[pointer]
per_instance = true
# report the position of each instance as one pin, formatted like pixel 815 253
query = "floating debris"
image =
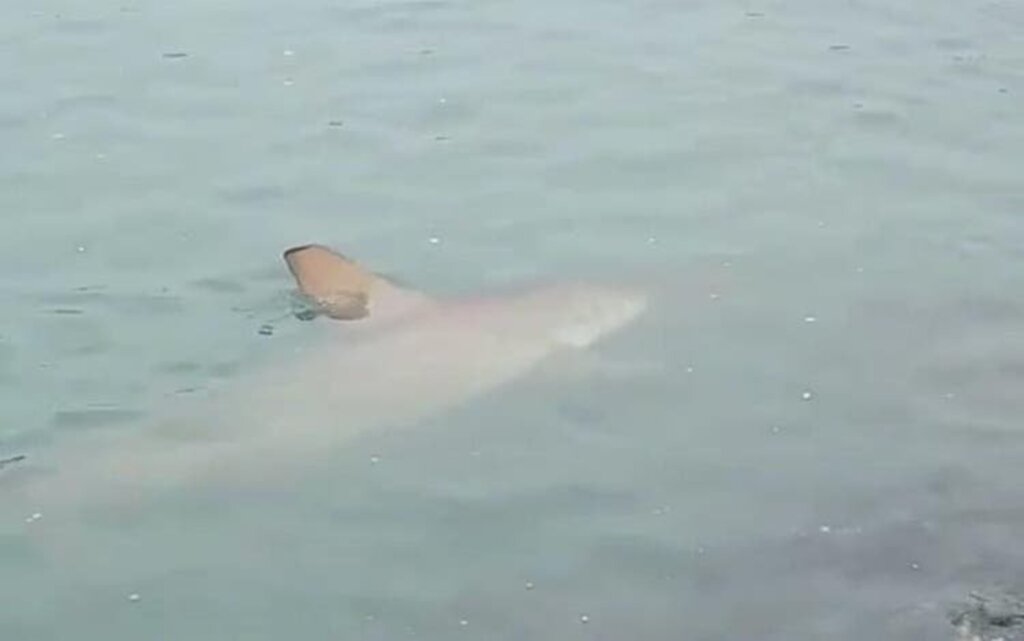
pixel 266 329
pixel 335 123
pixel 839 47
pixel 807 395
pixel 134 597
pixel 4 462
pixel 175 55
pixel 989 617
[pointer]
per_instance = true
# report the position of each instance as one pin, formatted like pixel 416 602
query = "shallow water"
pixel 814 434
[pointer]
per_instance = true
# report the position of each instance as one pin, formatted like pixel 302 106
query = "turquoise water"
pixel 815 433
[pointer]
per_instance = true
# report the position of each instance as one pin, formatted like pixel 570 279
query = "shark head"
pixel 565 315
pixel 578 314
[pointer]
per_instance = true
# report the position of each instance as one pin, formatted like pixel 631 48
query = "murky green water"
pixel 814 434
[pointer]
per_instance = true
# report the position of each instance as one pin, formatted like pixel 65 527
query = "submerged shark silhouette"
pixel 395 356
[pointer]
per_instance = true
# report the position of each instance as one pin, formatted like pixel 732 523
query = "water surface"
pixel 815 433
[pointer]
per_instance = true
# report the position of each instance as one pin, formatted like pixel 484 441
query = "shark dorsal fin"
pixel 341 288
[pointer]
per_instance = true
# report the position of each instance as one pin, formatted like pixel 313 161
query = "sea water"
pixel 815 432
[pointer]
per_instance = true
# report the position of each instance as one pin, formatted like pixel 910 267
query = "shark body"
pixel 390 357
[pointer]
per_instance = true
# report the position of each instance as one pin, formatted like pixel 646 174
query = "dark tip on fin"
pixel 292 250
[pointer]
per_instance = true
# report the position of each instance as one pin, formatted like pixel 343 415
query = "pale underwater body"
pixel 391 370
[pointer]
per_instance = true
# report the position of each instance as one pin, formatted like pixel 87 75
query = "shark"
pixel 387 356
